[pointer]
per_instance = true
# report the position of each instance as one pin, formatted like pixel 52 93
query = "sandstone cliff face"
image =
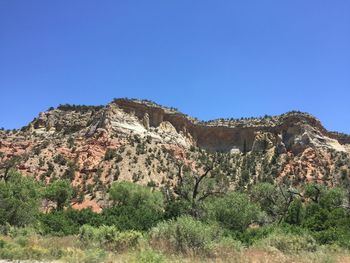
pixel 141 141
pixel 290 132
pixel 293 131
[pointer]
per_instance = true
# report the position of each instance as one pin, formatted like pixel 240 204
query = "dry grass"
pixel 70 249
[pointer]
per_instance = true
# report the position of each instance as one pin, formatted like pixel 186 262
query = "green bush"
pixel 224 246
pixel 127 239
pixel 129 218
pixel 333 236
pixel 2 243
pixel 288 243
pixel 84 217
pixel 101 235
pixel 252 235
pixel 14 232
pixel 88 234
pixel 57 223
pixel 176 208
pixel 15 251
pixel 109 237
pixel 185 234
pixel 67 222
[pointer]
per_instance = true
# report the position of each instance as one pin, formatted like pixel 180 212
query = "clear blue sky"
pixel 210 59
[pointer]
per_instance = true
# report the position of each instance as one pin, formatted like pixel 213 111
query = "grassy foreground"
pixel 133 246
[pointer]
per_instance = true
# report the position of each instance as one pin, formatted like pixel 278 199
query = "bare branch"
pixel 198 180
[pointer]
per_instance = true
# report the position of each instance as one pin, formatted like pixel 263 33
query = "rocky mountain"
pixel 143 142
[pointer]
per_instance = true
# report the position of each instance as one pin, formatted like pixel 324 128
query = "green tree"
pixel 270 199
pixel 275 200
pixel 314 192
pixel 68 222
pixel 333 198
pixel 19 200
pixel 8 167
pixel 194 188
pixel 326 215
pixel 295 212
pixel 134 206
pixel 110 154
pixel 325 204
pixel 234 211
pixel 60 192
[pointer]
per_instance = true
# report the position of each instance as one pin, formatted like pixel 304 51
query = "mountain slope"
pixel 143 142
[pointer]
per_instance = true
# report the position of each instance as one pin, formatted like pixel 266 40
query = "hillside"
pixel 143 142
